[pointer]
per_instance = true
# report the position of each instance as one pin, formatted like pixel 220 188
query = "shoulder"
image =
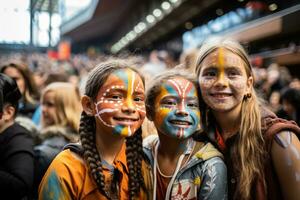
pixel 17 139
pixel 212 159
pixel 207 151
pixel 68 159
pixel 148 145
pixel 272 125
pixel 66 175
pixel 150 141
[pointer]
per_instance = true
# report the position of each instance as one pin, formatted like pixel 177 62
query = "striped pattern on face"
pixel 177 96
pixel 123 88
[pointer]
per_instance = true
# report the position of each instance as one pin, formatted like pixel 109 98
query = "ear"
pixel 8 113
pixel 88 105
pixel 249 84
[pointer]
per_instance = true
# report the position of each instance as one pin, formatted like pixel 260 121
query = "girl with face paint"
pixel 183 168
pixel 262 152
pixel 108 164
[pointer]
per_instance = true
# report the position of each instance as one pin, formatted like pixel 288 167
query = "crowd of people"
pixel 211 125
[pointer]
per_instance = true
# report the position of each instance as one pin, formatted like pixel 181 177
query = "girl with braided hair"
pixel 109 163
pixel 185 166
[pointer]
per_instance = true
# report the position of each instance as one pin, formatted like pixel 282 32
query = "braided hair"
pixel 87 129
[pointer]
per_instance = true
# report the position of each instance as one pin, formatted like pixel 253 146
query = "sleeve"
pixel 285 153
pixel 214 180
pixel 60 182
pixel 16 175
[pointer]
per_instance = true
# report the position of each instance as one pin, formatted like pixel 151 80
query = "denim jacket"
pixel 203 177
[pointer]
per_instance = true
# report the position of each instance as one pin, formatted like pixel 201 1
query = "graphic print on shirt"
pixel 184 190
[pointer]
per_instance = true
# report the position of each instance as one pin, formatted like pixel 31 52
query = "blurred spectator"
pixel 51 78
pixel 278 77
pixel 274 101
pixel 23 77
pixel 156 63
pixel 295 84
pixel 189 59
pixel 61 110
pixel 290 99
pixel 16 146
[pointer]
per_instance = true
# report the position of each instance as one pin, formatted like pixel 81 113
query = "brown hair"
pixel 31 93
pixel 248 151
pixel 134 149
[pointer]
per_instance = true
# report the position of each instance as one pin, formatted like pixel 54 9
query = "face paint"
pixel 121 106
pixel 177 111
pixel 223 80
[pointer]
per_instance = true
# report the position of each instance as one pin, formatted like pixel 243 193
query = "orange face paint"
pixel 221 64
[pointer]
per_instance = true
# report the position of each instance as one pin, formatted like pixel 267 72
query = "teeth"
pixel 221 95
pixel 180 122
pixel 125 119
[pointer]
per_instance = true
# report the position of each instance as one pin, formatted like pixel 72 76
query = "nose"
pixel 128 106
pixel 182 110
pixel 221 81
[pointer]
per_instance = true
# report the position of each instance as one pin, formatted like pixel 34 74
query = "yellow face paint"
pixel 221 64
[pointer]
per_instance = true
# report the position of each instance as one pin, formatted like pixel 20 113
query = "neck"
pixel 109 145
pixel 171 148
pixel 229 121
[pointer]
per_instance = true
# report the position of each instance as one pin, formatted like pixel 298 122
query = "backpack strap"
pixel 75 147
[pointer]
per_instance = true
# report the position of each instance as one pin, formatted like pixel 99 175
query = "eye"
pixel 233 73
pixel 138 99
pixel 210 73
pixel 115 96
pixel 48 104
pixel 170 103
pixel 193 105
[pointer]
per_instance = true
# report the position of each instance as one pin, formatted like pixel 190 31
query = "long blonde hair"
pixel 67 104
pixel 249 146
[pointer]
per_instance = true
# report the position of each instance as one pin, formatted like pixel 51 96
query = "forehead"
pixel 11 71
pixel 178 86
pixel 123 77
pixel 223 57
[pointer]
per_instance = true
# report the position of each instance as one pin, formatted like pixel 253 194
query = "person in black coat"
pixel 16 146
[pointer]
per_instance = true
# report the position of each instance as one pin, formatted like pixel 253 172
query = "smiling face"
pixel 223 80
pixel 120 106
pixel 177 111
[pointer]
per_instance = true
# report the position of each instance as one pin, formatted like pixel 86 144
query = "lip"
pixel 180 123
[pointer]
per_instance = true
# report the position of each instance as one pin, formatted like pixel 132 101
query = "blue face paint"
pixel 177 112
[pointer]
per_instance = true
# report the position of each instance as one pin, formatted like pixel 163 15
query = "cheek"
pixel 160 115
pixel 109 105
pixel 142 114
pixel 239 86
pixel 206 84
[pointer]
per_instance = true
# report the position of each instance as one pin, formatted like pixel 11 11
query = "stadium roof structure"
pixel 132 24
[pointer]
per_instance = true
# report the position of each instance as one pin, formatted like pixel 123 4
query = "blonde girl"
pixel 262 152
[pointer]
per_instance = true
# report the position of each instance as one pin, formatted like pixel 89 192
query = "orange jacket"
pixel 68 177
